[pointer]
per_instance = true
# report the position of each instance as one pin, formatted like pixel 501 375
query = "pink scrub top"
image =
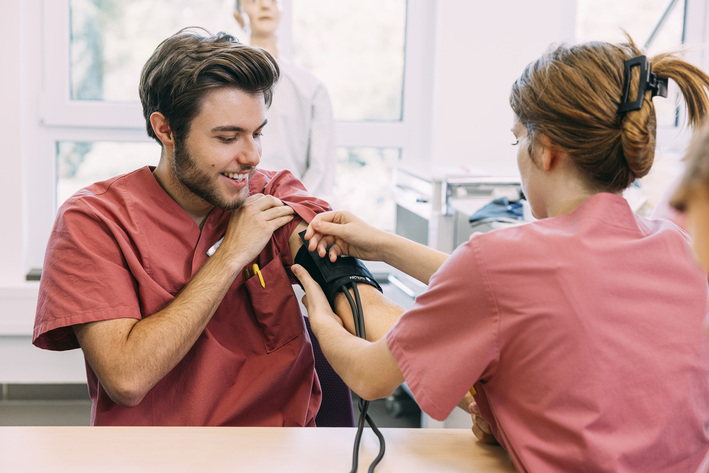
pixel 123 248
pixel 582 335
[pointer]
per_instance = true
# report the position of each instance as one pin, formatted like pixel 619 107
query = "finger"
pixel 302 275
pixel 253 198
pixel 312 240
pixel 334 252
pixel 484 426
pixel 309 284
pixel 319 243
pixel 326 227
pixel 263 202
pixel 479 434
pixel 315 223
pixel 277 223
pixel 323 245
pixel 473 408
pixel 277 212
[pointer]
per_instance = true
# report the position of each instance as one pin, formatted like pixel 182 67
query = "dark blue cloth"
pixel 500 208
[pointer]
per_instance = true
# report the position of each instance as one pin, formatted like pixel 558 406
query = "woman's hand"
pixel 315 302
pixel 481 428
pixel 344 234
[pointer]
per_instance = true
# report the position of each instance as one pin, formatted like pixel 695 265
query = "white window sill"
pixel 18 303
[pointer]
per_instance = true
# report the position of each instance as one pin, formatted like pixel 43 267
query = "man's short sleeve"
pixel 85 278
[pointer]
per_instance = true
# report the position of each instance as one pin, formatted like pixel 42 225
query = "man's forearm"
pixel 131 356
pixel 379 312
pixel 368 368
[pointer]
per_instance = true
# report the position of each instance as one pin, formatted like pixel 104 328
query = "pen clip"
pixel 257 271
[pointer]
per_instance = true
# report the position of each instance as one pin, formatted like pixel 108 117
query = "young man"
pixel 177 329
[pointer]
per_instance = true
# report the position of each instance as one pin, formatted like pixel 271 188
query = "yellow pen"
pixel 473 391
pixel 257 271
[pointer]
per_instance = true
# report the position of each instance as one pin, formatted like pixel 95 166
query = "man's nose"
pixel 250 155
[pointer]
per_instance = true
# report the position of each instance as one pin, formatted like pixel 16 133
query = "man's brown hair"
pixel 191 63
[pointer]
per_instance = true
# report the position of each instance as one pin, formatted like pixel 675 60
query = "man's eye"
pixel 226 139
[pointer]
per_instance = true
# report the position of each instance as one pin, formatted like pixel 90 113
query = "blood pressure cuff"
pixel 333 277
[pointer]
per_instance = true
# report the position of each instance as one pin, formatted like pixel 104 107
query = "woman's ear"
pixel 549 156
pixel 238 16
pixel 162 129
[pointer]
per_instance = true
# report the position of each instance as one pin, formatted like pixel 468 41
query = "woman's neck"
pixel 268 42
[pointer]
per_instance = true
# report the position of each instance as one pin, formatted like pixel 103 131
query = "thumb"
pixel 303 276
pixel 310 286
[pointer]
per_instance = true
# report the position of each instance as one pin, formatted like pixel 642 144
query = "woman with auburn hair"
pixel 580 332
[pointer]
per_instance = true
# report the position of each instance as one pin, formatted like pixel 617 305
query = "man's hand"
pixel 251 226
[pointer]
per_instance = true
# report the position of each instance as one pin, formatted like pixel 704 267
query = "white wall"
pixel 481 48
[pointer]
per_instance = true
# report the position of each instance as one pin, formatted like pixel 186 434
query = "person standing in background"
pixel 301 126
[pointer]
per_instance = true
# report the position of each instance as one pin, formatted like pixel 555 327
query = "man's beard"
pixel 200 182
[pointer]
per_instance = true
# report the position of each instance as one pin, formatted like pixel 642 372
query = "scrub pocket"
pixel 275 306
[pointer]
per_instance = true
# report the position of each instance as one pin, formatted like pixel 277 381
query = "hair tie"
pixel 648 81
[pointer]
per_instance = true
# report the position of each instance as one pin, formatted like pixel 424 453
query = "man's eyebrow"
pixel 239 129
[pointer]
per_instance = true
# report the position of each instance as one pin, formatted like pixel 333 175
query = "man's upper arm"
pixel 294 240
pixel 380 312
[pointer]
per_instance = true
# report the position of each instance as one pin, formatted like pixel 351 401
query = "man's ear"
pixel 162 129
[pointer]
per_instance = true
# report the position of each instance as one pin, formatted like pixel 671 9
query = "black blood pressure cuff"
pixel 333 277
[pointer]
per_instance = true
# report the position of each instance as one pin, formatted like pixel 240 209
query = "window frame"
pixel 51 115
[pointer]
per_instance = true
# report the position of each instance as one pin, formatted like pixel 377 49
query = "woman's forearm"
pixel 416 260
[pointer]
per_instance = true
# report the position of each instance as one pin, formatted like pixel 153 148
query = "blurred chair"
pixel 336 408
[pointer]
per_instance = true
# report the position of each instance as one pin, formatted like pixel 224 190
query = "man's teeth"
pixel 235 176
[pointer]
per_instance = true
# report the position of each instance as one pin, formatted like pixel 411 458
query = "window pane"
pixel 606 20
pixel 365 176
pixel 356 47
pixel 112 39
pixel 365 184
pixel 82 163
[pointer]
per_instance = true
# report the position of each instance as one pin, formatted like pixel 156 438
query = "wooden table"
pixel 240 449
